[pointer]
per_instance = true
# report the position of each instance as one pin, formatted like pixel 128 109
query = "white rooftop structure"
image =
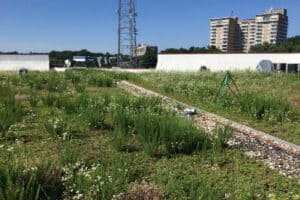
pixel 30 62
pixel 227 62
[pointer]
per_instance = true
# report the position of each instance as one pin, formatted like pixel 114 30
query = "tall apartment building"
pixel 224 33
pixel 269 27
pixel 272 26
pixel 247 34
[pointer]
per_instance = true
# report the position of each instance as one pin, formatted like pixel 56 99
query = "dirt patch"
pixel 20 97
pixel 141 192
pixel 93 89
pixel 295 102
pixel 294 90
pixel 225 166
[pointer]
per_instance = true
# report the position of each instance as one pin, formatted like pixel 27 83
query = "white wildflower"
pixel 110 179
pixel 33 168
pixel 10 149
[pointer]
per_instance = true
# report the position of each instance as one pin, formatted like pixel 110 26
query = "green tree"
pixel 265 47
pixel 57 58
pixel 290 45
pixel 149 60
pixel 192 49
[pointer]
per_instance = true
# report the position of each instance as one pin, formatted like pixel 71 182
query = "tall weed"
pixel 37 182
pixel 95 113
pixel 11 111
pixel 170 133
pixel 123 134
pixel 49 99
pixel 261 107
pixel 101 80
pixel 220 138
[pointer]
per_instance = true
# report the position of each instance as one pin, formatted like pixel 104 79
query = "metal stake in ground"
pixel 225 84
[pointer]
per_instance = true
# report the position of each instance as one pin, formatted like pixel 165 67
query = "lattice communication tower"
pixel 127 33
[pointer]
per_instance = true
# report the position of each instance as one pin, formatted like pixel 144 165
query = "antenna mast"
pixel 127 33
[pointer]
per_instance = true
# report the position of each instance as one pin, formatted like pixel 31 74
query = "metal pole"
pixel 134 31
pixel 119 34
pixel 127 33
pixel 130 8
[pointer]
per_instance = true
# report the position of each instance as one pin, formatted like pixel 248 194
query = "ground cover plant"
pixel 98 142
pixel 266 101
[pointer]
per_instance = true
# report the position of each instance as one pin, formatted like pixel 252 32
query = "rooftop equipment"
pixel 264 66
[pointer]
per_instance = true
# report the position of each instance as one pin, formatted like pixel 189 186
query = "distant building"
pixel 224 33
pixel 272 26
pixel 143 48
pixel 247 34
pixel 231 35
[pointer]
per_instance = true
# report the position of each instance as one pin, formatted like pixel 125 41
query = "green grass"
pixel 100 143
pixel 267 101
pixel 11 111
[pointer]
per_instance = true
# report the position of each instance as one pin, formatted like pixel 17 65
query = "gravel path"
pixel 274 152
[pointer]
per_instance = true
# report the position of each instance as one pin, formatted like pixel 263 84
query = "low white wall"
pixel 30 62
pixel 220 62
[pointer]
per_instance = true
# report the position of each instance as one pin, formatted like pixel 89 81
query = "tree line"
pixel 108 60
pixel 57 58
pixel 208 49
pixel 289 46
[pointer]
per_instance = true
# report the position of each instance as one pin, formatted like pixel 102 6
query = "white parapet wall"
pixel 30 62
pixel 222 62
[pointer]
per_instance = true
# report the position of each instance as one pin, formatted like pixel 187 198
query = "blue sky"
pixel 44 25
